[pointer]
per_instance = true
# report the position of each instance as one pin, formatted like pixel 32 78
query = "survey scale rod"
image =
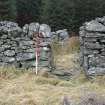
pixel 37 48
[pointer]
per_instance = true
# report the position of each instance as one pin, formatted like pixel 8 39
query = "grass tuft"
pixel 42 81
pixel 70 46
pixel 10 72
pixel 66 84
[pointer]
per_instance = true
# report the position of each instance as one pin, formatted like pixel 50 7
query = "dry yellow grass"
pixel 33 90
pixel 64 55
pixel 28 89
pixel 70 46
pixel 66 61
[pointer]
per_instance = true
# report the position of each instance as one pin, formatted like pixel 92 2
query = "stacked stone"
pixel 44 49
pixel 92 38
pixel 18 46
pixel 9 32
pixel 60 35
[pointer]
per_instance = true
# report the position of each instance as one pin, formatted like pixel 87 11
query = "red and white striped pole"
pixel 37 33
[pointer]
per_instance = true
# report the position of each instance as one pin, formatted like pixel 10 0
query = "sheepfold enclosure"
pixel 18 45
pixel 92 39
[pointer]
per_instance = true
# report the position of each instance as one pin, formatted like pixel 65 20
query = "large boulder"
pixel 45 30
pixel 25 56
pixel 62 34
pixel 95 26
pixel 31 29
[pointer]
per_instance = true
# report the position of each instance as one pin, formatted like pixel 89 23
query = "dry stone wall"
pixel 17 45
pixel 60 35
pixel 92 38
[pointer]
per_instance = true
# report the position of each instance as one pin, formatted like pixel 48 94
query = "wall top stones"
pixel 97 25
pixel 7 26
pixel 60 35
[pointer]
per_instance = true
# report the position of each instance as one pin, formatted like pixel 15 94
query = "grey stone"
pixel 103 40
pixel 25 56
pixel 29 64
pixel 25 28
pixel 93 45
pixel 5 46
pixel 44 44
pixel 90 39
pixel 33 27
pixel 8 59
pixel 93 35
pixel 3 64
pixel 82 33
pixel 30 50
pixel 24 47
pixel 62 34
pixel 62 74
pixel 8 27
pixel 4 36
pixel 96 71
pixel 101 20
pixel 58 72
pixel 45 30
pixel 26 43
pixel 46 48
pixel 9 53
pixel 95 26
pixel 1 43
pixel 2 49
pixel 89 52
pixel 85 65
